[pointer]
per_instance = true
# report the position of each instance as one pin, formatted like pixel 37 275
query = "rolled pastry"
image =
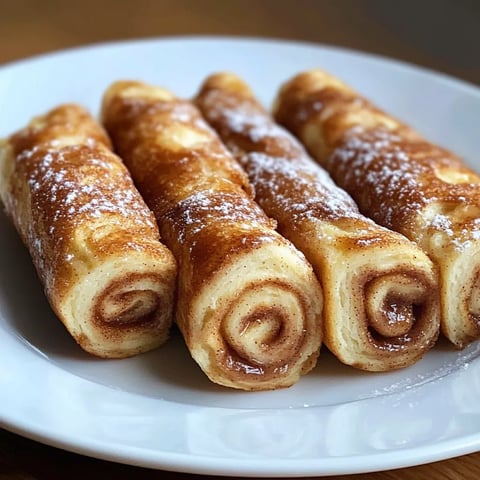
pixel 380 289
pixel 93 240
pixel 400 180
pixel 249 305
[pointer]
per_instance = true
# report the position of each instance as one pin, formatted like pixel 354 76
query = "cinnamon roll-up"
pixel 380 289
pixel 92 238
pixel 249 305
pixel 400 180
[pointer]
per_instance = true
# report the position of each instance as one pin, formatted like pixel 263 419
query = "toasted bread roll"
pixel 380 290
pixel 249 305
pixel 93 240
pixel 400 180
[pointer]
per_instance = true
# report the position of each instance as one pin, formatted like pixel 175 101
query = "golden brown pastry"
pixel 380 290
pixel 249 305
pixel 93 240
pixel 400 180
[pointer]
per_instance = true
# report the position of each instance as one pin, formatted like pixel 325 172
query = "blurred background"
pixel 440 34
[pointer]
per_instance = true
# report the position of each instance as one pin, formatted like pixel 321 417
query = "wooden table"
pixel 437 34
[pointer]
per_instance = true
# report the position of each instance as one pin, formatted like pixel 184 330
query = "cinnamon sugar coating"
pixel 92 238
pixel 248 305
pixel 399 179
pixel 380 290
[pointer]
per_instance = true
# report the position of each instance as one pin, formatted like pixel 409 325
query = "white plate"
pixel 158 410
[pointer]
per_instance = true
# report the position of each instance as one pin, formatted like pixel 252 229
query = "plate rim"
pixel 252 467
pixel 404 64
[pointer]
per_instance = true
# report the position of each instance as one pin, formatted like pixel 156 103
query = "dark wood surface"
pixel 440 34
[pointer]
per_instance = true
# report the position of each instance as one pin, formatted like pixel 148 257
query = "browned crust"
pixel 362 156
pixel 203 204
pixel 277 164
pixel 75 206
pixel 299 195
pixel 194 193
pixel 399 179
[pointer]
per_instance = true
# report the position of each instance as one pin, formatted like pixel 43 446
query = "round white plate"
pixel 158 410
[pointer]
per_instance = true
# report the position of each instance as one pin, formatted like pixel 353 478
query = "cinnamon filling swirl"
pixel 374 315
pixel 268 337
pixel 249 305
pixel 129 301
pixel 92 238
pixel 396 306
pixel 399 179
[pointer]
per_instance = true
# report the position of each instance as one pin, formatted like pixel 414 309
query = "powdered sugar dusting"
pixel 394 181
pixel 374 165
pixel 460 234
pixel 298 187
pixel 74 186
pixel 286 180
pixel 442 223
pixel 207 207
pixel 257 126
pixel 93 188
